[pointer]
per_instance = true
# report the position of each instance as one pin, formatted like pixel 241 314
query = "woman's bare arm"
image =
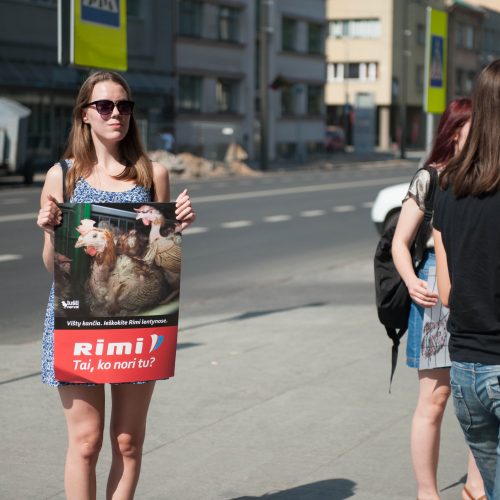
pixel 443 275
pixel 410 219
pixel 50 215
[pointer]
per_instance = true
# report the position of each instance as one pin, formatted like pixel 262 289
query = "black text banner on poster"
pixel 116 292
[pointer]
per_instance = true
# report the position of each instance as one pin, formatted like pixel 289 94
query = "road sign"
pixel 436 56
pixel 93 33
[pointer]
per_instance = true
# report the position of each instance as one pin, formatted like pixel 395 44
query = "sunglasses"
pixel 105 107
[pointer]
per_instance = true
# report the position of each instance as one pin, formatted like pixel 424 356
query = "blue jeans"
pixel 476 398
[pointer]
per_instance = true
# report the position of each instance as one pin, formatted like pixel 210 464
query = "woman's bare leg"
pixel 84 412
pixel 474 483
pixel 434 390
pixel 127 430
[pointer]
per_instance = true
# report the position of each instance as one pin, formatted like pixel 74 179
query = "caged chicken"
pixel 132 243
pixel 165 251
pixel 119 284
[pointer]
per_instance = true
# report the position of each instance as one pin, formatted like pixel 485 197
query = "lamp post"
pixel 264 31
pixel 404 68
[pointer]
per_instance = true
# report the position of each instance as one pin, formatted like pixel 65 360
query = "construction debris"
pixel 188 165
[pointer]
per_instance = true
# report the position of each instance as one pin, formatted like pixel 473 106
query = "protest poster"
pixel 435 336
pixel 116 292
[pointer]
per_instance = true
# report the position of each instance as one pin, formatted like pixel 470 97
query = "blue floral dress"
pixel 83 193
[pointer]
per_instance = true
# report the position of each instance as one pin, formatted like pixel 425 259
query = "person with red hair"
pixel 434 383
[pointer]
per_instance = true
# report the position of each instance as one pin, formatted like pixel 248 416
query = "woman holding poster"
pixel 106 163
pixel 427 342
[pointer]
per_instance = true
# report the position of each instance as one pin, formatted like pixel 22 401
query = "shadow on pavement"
pixel 255 314
pixel 331 489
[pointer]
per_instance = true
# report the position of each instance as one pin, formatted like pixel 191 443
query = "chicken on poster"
pixel 116 283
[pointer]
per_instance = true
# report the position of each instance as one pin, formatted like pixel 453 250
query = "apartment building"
pixel 297 76
pixel 465 25
pixel 217 65
pixel 375 53
pixel 30 74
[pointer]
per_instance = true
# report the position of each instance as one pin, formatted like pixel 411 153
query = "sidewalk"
pixel 284 404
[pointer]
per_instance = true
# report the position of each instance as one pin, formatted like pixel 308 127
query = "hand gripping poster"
pixel 116 292
pixel 435 336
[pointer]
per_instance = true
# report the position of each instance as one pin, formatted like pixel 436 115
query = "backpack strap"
pixel 395 336
pixel 419 244
pixel 64 168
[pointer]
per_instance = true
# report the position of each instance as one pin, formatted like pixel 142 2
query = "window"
pixel 288 34
pixel 355 28
pixel 190 15
pixel 134 8
pixel 228 24
pixel 227 95
pixel 314 99
pixel 365 71
pixel 465 36
pixel 190 93
pixel 459 77
pixel 420 77
pixel 315 39
pixel 469 82
pixel 421 32
pixel 287 100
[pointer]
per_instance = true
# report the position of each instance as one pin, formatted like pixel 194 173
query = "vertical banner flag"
pixel 436 57
pixel 99 34
pixel 116 292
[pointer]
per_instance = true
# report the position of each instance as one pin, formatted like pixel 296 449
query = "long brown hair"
pixel 476 169
pixel 81 147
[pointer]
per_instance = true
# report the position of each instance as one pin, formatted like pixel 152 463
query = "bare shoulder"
pixel 161 182
pixel 160 172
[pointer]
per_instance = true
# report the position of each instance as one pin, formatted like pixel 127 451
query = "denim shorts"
pixel 416 318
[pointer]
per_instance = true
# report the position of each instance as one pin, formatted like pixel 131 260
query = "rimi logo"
pixel 106 348
pixel 106 12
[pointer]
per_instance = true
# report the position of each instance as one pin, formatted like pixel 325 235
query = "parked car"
pixel 387 205
pixel 334 139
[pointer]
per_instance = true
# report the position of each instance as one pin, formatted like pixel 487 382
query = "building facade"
pixel 376 51
pixel 465 26
pixel 297 76
pixel 215 66
pixel 218 65
pixel 30 74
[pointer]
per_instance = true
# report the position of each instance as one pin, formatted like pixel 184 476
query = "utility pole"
pixel 264 31
pixel 404 68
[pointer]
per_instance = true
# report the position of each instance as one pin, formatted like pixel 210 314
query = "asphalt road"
pixel 250 232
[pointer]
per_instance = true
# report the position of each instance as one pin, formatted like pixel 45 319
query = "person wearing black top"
pixel 467 243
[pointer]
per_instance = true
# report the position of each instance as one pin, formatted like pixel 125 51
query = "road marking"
pixel 6 257
pixel 302 189
pixel 16 217
pixel 277 218
pixel 367 204
pixel 13 201
pixel 237 223
pixel 195 230
pixel 312 213
pixel 344 208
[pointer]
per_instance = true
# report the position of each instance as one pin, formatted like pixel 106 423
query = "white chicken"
pixel 164 251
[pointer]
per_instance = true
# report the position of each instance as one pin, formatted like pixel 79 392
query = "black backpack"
pixel 391 295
